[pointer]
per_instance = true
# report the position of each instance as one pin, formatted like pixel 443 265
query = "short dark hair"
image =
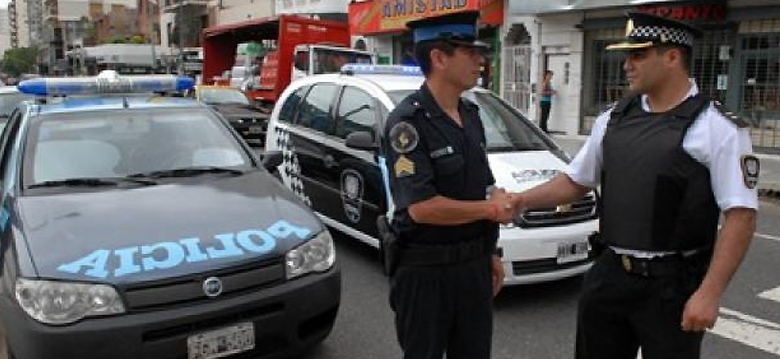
pixel 548 72
pixel 685 53
pixel 422 53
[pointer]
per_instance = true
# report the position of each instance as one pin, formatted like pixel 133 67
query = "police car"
pixel 141 226
pixel 327 127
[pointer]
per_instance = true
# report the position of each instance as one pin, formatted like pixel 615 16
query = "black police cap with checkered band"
pixel 644 30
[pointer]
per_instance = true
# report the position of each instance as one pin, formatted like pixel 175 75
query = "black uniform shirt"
pixel 428 154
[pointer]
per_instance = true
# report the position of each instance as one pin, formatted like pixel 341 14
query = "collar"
pixel 692 91
pixel 431 107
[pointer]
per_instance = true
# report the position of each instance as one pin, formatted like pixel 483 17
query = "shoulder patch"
pixel 731 116
pixel 751 167
pixel 403 137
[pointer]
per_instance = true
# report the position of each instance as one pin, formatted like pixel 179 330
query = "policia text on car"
pixel 669 161
pixel 443 287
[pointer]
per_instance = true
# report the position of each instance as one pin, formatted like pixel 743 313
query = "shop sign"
pixel 383 16
pixel 695 13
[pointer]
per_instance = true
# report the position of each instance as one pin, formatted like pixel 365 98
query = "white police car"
pixel 327 128
pixel 141 226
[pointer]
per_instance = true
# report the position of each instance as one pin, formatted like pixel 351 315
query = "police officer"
pixel 669 162
pixel 443 288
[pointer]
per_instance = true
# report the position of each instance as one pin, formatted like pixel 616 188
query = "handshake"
pixel 504 205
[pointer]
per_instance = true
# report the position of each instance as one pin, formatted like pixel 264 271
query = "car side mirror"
pixel 361 140
pixel 272 159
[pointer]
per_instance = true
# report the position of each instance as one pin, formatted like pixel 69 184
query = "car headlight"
pixel 53 302
pixel 316 255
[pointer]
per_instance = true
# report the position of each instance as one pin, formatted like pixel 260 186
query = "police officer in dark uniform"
pixel 443 287
pixel 669 162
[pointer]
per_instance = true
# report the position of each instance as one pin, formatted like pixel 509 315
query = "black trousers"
pixel 444 309
pixel 545 107
pixel 620 311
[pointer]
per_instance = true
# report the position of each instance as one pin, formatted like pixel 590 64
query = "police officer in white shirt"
pixel 669 162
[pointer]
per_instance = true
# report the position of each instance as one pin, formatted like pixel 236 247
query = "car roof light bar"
pixel 363 69
pixel 106 82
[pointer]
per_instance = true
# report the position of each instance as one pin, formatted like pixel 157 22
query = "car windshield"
pixel 118 144
pixel 505 129
pixel 223 96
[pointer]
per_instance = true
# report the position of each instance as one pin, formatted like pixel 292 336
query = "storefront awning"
pixel 375 17
pixel 530 7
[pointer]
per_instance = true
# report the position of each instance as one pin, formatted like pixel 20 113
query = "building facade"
pixel 736 62
pixel 5 32
pixel 379 26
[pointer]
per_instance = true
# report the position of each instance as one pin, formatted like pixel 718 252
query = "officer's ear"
pixel 439 59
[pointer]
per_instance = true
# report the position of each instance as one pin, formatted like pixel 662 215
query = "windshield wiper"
pixel 76 182
pixel 186 172
pixel 92 182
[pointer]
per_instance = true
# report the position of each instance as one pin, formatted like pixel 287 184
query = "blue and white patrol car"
pixel 141 226
pixel 328 128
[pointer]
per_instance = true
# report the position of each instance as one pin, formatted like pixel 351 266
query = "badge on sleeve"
pixel 750 169
pixel 403 167
pixel 403 137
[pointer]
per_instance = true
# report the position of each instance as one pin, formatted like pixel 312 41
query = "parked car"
pixel 140 226
pixel 10 97
pixel 328 128
pixel 249 121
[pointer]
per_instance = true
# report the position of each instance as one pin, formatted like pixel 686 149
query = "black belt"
pixel 656 266
pixel 441 254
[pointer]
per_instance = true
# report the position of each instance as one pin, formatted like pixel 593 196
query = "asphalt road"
pixel 538 321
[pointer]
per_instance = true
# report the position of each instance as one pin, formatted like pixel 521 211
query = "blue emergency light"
pixel 106 82
pixel 363 69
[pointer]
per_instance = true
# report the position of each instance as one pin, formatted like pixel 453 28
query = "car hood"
pixel 164 231
pixel 236 110
pixel 518 171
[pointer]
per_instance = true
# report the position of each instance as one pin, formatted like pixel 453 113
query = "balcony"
pixel 170 6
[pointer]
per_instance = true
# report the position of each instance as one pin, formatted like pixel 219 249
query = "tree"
pixel 19 60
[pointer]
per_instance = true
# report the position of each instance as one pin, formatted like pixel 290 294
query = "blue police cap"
pixel 459 28
pixel 645 30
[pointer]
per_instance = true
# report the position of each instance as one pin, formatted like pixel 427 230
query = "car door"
pixel 307 161
pixel 360 186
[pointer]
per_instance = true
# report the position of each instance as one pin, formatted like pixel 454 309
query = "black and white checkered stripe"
pixel 291 169
pixel 672 35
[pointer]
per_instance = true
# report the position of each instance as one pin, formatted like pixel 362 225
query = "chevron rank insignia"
pixel 403 167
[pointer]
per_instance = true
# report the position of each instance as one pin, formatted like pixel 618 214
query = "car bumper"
pixel 531 255
pixel 288 318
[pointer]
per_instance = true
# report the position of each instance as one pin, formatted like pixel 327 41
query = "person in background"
pixel 546 103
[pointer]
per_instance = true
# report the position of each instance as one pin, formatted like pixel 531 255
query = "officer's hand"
pixel 503 210
pixel 701 312
pixel 498 275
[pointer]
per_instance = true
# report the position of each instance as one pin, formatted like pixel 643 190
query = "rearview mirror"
pixel 362 140
pixel 272 159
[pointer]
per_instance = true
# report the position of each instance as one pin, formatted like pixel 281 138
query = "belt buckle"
pixel 626 261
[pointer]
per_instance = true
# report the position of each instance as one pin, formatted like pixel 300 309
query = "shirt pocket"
pixel 450 173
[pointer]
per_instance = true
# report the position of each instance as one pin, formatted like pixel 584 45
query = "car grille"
pixel 234 281
pixel 545 265
pixel 579 211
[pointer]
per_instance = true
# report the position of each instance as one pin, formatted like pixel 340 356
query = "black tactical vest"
pixel 656 197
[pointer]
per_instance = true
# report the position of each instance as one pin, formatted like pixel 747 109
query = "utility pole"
pixel 152 31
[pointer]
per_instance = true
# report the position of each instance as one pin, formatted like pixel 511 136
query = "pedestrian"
pixel 669 162
pixel 447 276
pixel 546 103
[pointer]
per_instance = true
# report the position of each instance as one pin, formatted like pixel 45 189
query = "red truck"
pixel 298 42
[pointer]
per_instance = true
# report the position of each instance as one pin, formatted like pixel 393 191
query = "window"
pixel 290 107
pixel 7 142
pixel 314 112
pixel 357 112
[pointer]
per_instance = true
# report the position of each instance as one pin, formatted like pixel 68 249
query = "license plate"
pixel 255 129
pixel 221 342
pixel 572 251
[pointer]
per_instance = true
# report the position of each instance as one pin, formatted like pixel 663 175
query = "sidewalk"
pixel 768 179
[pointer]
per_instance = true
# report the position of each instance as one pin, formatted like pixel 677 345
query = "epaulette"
pixel 407 107
pixel 731 116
